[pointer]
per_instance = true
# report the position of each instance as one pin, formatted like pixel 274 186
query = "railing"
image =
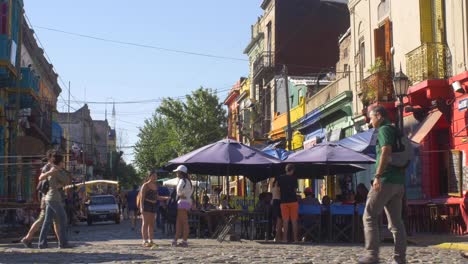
pixel 264 61
pixel 429 61
pixel 29 80
pixel 377 87
pixel 4 49
pixel 41 121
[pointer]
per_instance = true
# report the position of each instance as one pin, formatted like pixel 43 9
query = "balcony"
pixel 327 93
pixel 263 64
pixel 4 50
pixel 428 62
pixel 40 124
pixel 377 87
pixel 29 80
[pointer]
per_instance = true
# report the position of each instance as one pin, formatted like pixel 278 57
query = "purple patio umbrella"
pixel 226 158
pixel 327 159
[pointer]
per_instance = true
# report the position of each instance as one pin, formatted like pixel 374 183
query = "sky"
pixel 102 71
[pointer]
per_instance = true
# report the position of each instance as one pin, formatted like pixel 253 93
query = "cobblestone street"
pixel 109 243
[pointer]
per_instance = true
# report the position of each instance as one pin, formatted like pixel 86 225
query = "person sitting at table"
pixel 349 199
pixel 326 201
pixel 309 197
pixel 206 205
pixel 361 194
pixel 224 203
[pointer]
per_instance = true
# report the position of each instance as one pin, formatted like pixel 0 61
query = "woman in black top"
pixel 148 206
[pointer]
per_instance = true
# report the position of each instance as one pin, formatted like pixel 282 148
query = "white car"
pixel 103 208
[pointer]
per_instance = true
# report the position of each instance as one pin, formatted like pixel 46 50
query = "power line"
pixel 155 100
pixel 142 45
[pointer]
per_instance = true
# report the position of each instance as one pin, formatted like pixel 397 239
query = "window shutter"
pixel 379 43
pixel 388 43
pixel 439 26
pixel 425 12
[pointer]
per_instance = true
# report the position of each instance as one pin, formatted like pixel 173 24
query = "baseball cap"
pixel 181 168
pixel 308 190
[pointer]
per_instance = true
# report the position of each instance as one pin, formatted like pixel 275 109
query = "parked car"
pixel 102 208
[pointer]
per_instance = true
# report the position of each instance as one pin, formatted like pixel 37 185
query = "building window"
pixel 384 9
pixel 3 18
pixel 269 38
pixel 362 60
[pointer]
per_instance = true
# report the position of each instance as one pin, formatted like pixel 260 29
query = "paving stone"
pixel 110 243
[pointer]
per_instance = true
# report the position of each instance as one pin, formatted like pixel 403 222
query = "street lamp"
pixel 10 113
pixel 400 86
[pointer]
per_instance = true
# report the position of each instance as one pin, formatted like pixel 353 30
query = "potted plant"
pixel 376 86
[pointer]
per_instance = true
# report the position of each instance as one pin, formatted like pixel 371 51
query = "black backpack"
pixel 43 186
pixel 172 208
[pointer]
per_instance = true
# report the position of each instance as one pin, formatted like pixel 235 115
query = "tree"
pixel 156 145
pixel 127 175
pixel 178 127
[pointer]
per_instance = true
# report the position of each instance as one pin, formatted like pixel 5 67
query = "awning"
pixel 426 126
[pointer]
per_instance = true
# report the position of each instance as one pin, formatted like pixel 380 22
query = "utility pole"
pixel 68 129
pixel 288 114
pixel 84 147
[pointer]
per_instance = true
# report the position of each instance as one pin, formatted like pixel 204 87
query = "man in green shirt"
pixel 386 193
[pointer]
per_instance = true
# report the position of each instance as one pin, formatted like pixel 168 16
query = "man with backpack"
pixel 387 192
pixel 42 189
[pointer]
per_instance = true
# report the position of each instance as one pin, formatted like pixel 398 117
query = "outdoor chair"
pixel 194 223
pixel 359 224
pixel 342 223
pixel 310 217
pixel 259 225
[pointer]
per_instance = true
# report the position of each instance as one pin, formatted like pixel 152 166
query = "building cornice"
pixel 38 57
pixel 257 38
pixel 265 4
pixel 353 3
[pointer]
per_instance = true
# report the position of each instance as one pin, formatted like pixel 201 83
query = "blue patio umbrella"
pixel 327 159
pixel 226 158
pixel 278 153
pixel 363 142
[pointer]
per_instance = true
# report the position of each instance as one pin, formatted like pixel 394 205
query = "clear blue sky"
pixel 101 71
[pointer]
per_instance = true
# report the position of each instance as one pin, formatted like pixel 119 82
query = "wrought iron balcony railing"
pixel 263 62
pixel 429 61
pixel 377 87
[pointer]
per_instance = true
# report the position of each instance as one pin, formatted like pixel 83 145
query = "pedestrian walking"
pixel 148 206
pixel 386 193
pixel 289 204
pixel 57 178
pixel 37 225
pixel 132 205
pixel 184 192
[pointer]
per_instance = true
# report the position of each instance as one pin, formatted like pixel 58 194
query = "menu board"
pixel 455 177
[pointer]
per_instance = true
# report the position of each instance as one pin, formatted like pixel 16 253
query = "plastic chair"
pixel 310 217
pixel 259 225
pixel 359 224
pixel 194 222
pixel 342 223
